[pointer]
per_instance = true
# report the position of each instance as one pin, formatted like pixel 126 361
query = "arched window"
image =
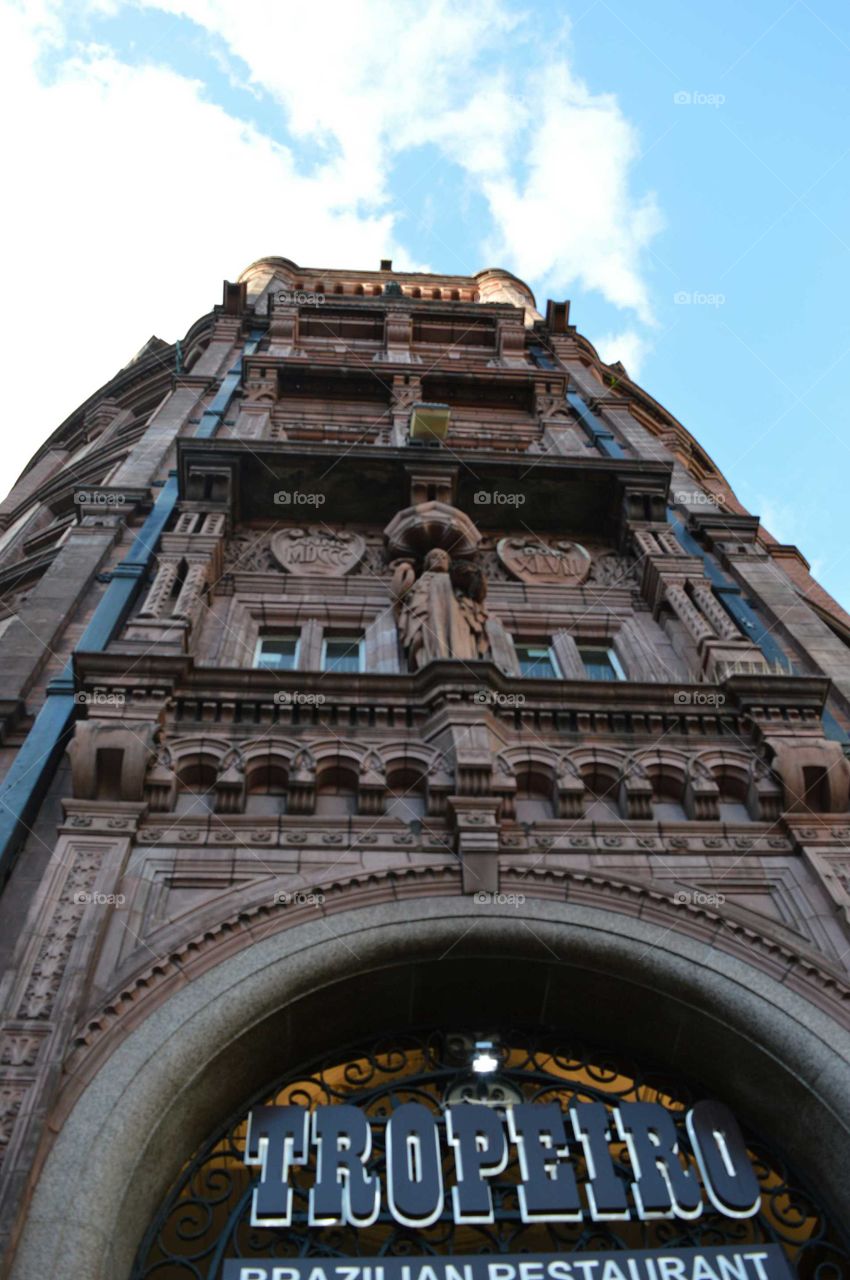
pixel 266 785
pixel 533 801
pixel 667 803
pixel 196 788
pixel 336 791
pixel 732 776
pixel 405 794
pixel 602 793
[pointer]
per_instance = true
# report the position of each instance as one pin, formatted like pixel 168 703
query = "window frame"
pixel 611 653
pixel 332 637
pixel 258 649
pixel 550 653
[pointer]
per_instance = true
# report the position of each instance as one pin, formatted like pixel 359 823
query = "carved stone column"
pixel 672 577
pixel 683 606
pixel 302 783
pixel 372 785
pixel 196 542
pixel 161 588
pixel 190 600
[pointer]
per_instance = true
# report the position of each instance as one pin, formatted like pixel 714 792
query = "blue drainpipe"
pixel 34 765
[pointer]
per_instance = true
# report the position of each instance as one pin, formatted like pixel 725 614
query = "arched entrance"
pixel 206 1216
pixel 639 987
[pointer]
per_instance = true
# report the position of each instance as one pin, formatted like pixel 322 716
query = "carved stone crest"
pixel 533 560
pixel 328 553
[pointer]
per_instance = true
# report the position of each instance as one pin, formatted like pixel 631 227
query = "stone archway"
pixel 771 1053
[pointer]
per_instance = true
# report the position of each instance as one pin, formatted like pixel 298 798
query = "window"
pixel 406 794
pixel 533 800
pixel 537 660
pixel 342 653
pixel 277 653
pixel 196 788
pixel 666 810
pixel 336 792
pixel 600 663
pixel 733 811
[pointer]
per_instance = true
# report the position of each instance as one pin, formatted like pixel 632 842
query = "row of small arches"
pixel 334 779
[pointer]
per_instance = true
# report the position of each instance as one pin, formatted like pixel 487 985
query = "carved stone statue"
pixel 440 614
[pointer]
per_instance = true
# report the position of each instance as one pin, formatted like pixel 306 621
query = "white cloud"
pixel 781 519
pixel 573 218
pixel 134 194
pixel 410 74
pixel 629 347
pixel 133 198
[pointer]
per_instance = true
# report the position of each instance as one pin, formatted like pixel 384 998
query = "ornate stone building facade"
pixel 383 673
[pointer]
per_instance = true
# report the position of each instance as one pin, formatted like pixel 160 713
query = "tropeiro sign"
pixel 461 1151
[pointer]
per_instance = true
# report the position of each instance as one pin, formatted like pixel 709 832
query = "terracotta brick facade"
pixel 629 699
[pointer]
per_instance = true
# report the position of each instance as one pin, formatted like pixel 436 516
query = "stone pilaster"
pixel 44 993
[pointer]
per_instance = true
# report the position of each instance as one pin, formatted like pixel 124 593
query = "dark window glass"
pixel 601 664
pixel 277 653
pixel 536 660
pixel 342 653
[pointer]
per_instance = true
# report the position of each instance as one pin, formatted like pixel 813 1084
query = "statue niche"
pixel 440 614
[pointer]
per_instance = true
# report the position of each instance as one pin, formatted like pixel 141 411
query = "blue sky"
pixel 627 154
